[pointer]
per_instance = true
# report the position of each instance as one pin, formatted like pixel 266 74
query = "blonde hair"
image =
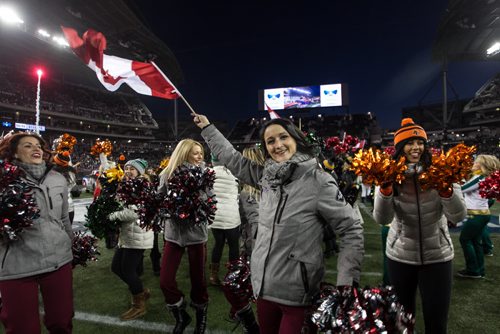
pixel 255 154
pixel 488 163
pixel 179 156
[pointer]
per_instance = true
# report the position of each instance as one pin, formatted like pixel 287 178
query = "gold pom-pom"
pixel 378 167
pixel 66 143
pixel 114 174
pixel 102 146
pixel 446 169
pixel 164 163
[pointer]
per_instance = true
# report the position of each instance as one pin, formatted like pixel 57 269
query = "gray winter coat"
pixel 419 229
pixel 249 212
pixel 183 233
pixel 287 261
pixel 45 246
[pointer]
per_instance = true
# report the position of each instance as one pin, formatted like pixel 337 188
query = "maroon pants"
pixel 19 313
pixel 171 259
pixel 277 318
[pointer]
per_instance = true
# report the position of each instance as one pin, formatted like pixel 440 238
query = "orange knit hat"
pixel 409 130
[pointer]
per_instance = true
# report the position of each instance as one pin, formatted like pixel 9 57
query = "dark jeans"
pixel 20 309
pixel 155 254
pixel 233 241
pixel 434 284
pixel 126 264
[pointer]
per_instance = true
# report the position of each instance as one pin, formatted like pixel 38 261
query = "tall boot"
pixel 201 317
pixel 214 274
pixel 182 318
pixel 138 307
pixel 247 320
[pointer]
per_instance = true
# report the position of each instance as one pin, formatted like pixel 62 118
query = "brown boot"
pixel 214 274
pixel 138 307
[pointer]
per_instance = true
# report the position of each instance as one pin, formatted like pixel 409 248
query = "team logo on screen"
pixel 330 92
pixel 274 96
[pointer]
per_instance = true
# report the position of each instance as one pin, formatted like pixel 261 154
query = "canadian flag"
pixel 273 114
pixel 359 145
pixel 112 72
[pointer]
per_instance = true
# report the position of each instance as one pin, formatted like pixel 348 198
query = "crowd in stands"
pixel 19 89
pixel 358 125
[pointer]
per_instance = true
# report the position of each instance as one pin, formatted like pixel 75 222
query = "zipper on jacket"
pixel 5 255
pixel 277 216
pixel 303 272
pixel 50 198
pixel 419 218
pixel 281 207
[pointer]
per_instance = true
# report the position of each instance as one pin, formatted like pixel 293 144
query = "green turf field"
pixel 475 304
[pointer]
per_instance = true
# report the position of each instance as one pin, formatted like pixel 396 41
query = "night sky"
pixel 381 50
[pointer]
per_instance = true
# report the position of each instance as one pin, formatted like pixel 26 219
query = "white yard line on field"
pixel 136 324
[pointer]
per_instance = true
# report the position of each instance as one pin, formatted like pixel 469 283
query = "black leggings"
pixel 434 284
pixel 233 240
pixel 126 265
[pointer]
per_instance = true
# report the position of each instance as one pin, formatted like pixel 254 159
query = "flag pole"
pixel 175 88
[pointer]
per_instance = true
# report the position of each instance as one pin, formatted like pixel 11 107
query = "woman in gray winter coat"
pixel 297 199
pixel 40 259
pixel 419 248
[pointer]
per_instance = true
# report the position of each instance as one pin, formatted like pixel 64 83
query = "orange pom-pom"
pixel 378 167
pixel 66 153
pixel 103 146
pixel 407 121
pixel 449 168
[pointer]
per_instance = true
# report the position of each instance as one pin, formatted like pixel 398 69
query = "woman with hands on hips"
pixel 297 199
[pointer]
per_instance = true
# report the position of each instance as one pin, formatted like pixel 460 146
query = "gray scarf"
pixel 35 170
pixel 277 173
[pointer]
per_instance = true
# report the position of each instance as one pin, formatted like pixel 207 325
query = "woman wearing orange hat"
pixel 419 248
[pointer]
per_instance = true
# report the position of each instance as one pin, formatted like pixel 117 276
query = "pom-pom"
pixel 187 199
pixel 390 150
pixel 350 310
pixel 18 206
pixel 407 121
pixel 97 216
pixel 449 168
pixel 237 285
pixel 490 186
pixel 65 143
pixel 142 193
pixel 84 249
pixel 109 180
pixel 339 147
pixel 102 146
pixel 378 167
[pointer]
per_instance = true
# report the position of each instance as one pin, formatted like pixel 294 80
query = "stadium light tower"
pixel 493 50
pixel 39 73
pixel 9 15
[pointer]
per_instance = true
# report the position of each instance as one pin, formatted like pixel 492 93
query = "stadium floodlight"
pixel 493 50
pixel 43 33
pixel 60 41
pixel 9 15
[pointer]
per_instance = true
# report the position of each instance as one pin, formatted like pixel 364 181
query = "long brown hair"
pixel 8 146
